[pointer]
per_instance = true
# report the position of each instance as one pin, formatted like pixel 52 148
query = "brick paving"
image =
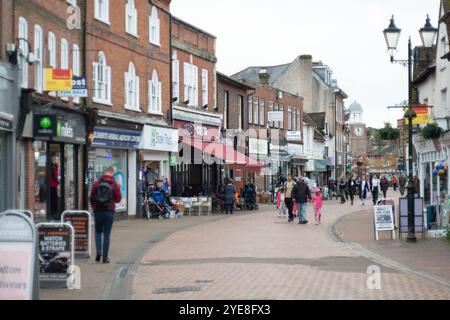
pixel 260 256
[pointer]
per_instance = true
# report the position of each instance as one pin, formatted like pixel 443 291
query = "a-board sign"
pixel 18 272
pixel 418 215
pixel 384 219
pixel 56 254
pixel 28 213
pixel 81 223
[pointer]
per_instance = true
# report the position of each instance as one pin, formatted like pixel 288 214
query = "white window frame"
pixel 290 118
pixel 191 84
pixel 155 95
pixel 101 11
pixel 131 89
pixel 154 27
pixel 256 110
pixel 299 120
pixel 262 111
pixel 64 59
pixel 52 56
pixel 101 75
pixel 175 76
pixel 76 67
pixel 281 123
pixel 131 18
pixel 38 59
pixel 23 46
pixel 250 109
pixel 205 97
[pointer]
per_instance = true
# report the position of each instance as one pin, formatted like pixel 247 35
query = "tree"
pixel 389 133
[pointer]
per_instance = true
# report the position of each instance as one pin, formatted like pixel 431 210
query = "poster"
pixel 55 251
pixel 384 218
pixel 80 222
pixel 122 183
pixel 57 80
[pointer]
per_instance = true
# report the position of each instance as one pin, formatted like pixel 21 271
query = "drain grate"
pixel 176 290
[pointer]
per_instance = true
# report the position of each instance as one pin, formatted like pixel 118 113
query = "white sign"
pixel 159 139
pixel 295 150
pixel 293 136
pixel 256 146
pixel 275 116
pixel 384 219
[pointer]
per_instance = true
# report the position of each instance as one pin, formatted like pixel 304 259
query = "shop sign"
pixel 295 136
pixel 197 131
pixel 173 161
pixel 422 112
pixel 116 138
pixel 18 269
pixel 160 139
pixel 71 129
pixel 295 150
pixel 320 165
pixel 79 88
pixel 275 116
pixel 56 251
pixel 44 125
pixel 6 121
pixel 330 161
pixel 81 222
pixel 257 146
pixel 310 166
pixel 57 80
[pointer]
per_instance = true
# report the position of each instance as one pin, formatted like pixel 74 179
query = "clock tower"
pixel 358 137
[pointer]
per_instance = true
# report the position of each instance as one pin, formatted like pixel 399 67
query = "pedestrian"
pixel 384 186
pixel 358 187
pixel 55 179
pixel 375 189
pixel 104 196
pixel 281 204
pixel 318 203
pixel 351 187
pixel 342 189
pixel 302 195
pixel 289 186
pixel 395 183
pixel 364 190
pixel 402 184
pixel 229 195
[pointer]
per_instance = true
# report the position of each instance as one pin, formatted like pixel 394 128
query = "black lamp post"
pixel 392 35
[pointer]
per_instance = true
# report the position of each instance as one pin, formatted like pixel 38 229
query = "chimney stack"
pixel 264 76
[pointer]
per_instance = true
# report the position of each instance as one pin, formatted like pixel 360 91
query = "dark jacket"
pixel 301 193
pixel 384 184
pixel 363 191
pixel 117 195
pixel 402 181
pixel 351 186
pixel 228 193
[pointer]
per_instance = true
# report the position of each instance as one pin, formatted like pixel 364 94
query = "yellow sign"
pixel 422 114
pixel 58 80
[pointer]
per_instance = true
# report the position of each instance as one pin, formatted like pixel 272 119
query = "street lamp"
pixel 392 35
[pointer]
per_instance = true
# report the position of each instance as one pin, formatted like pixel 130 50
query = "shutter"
pixel 195 75
pixel 109 84
pixel 127 25
pixel 127 97
pixel 149 97
pixel 186 82
pixel 159 98
pixel 94 79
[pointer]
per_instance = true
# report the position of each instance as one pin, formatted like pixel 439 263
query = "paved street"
pixel 260 256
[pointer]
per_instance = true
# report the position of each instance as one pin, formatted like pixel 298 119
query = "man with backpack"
pixel 104 196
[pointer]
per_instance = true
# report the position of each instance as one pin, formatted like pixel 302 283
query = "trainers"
pixel 106 260
pixel 98 258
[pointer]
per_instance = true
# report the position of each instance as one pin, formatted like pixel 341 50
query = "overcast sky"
pixel 346 35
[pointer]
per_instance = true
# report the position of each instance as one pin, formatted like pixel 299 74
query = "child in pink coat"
pixel 281 204
pixel 318 203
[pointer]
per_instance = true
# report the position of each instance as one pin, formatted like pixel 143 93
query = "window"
pixel 255 110
pixel 226 106
pixel 102 80
pixel 289 119
pixel 191 84
pixel 444 98
pixel 154 27
pixel 299 120
pixel 240 112
pixel 271 123
pixel 250 109
pixel 76 66
pixel 276 124
pixel 204 87
pixel 154 95
pixel 102 10
pixel 38 56
pixel 52 55
pixel 64 59
pixel 131 89
pixel 131 18
pixel 444 47
pixel 262 112
pixel 23 46
pixel 281 123
pixel 175 76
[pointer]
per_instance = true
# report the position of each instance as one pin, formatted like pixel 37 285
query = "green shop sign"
pixel 320 165
pixel 44 125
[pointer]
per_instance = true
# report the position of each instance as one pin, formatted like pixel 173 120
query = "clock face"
pixel 358 132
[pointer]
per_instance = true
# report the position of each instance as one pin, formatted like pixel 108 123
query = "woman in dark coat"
pixel 384 186
pixel 351 187
pixel 364 190
pixel 228 196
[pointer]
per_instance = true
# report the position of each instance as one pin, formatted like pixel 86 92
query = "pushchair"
pixel 155 206
pixel 250 202
pixel 326 193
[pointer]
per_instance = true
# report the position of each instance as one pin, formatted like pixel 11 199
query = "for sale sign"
pixel 18 278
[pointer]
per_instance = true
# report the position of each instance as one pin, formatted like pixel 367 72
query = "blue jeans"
pixel 104 221
pixel 302 211
pixel 229 207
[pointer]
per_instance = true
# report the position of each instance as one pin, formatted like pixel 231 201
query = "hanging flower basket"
pixel 432 131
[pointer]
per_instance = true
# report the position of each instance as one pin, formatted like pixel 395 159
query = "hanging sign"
pixel 18 260
pixel 422 114
pixel 58 80
pixel 81 222
pixel 56 253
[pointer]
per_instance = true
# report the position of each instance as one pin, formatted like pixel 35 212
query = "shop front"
pixel 259 151
pixel 117 147
pixel 54 152
pixel 298 162
pixel 316 171
pixel 279 162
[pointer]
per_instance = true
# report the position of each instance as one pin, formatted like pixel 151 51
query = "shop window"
pixel 40 177
pixel 70 185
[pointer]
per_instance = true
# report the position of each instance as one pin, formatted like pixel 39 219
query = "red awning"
pixel 225 153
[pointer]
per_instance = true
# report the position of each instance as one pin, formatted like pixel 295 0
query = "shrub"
pixel 432 131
